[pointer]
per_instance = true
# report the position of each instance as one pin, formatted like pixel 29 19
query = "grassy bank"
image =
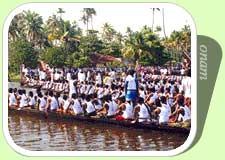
pixel 14 77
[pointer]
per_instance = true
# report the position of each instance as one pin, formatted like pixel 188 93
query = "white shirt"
pixel 163 116
pixel 131 83
pixel 187 114
pixel 54 104
pixel 12 99
pixel 128 113
pixel 186 84
pixel 90 107
pixel 77 107
pixel 98 79
pixel 143 113
pixel 66 104
pixel 152 99
pixel 110 110
pixel 142 94
pixel 42 104
pixel 32 101
pixel 99 105
pixel 23 101
pixel 72 88
pixel 113 75
pixel 91 90
pixel 57 76
pixel 115 106
pixel 81 76
pixel 167 106
pixel 68 76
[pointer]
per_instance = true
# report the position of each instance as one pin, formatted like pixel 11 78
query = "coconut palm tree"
pixel 108 32
pixel 87 16
pixel 16 26
pixel 91 12
pixel 60 12
pixel 32 25
pixel 153 16
pixel 163 26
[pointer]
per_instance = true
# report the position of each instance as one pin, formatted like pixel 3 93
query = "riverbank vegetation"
pixel 62 43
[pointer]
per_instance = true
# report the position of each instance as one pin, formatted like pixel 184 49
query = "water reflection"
pixel 41 134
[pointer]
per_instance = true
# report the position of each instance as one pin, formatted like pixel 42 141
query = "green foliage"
pixel 77 60
pixel 144 47
pixel 54 56
pixel 61 43
pixel 90 44
pixel 115 64
pixel 22 52
pixel 82 62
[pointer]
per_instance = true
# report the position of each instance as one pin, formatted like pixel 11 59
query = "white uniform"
pixel 66 104
pixel 81 77
pixel 142 94
pixel 54 104
pixel 32 101
pixel 143 114
pixel 115 106
pixel 168 108
pixel 57 76
pixel 90 107
pixel 110 110
pixel 72 88
pixel 186 85
pixel 98 79
pixel 152 99
pixel 77 107
pixel 91 90
pixel 128 113
pixel 12 99
pixel 163 116
pixel 99 105
pixel 42 104
pixel 131 85
pixel 68 76
pixel 100 92
pixel 187 114
pixel 82 88
pixel 23 101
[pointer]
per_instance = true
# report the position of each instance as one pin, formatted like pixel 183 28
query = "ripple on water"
pixel 41 134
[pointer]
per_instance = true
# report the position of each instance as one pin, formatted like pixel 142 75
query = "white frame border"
pixel 173 152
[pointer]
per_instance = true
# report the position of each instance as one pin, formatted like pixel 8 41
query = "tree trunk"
pixel 164 30
pixel 153 16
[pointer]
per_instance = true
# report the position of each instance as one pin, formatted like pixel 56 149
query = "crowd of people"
pixel 119 93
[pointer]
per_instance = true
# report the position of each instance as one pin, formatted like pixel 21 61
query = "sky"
pixel 119 15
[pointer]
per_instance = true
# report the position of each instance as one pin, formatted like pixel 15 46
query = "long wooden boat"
pixel 72 118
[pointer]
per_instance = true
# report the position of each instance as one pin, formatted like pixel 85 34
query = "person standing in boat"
pixel 131 87
pixel 72 86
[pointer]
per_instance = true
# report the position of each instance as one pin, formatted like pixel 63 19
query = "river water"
pixel 38 134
